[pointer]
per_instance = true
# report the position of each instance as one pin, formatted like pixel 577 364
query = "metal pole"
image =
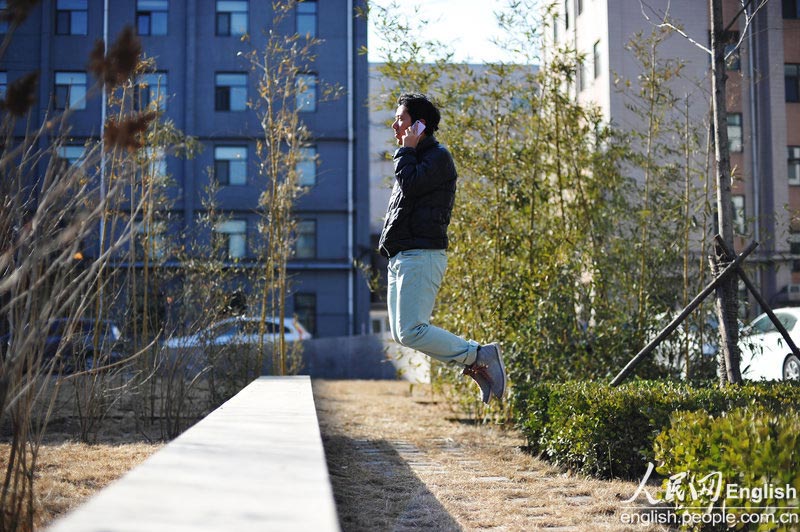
pixel 678 319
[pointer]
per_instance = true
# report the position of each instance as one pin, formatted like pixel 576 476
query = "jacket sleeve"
pixel 417 175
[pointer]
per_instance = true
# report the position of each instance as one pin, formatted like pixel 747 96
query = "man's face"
pixel 402 120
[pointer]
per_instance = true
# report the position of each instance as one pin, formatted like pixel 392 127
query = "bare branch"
pixel 668 25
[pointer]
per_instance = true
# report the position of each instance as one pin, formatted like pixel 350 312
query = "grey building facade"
pixel 204 85
pixel 763 104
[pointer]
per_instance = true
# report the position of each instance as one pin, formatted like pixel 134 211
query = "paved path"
pixel 402 459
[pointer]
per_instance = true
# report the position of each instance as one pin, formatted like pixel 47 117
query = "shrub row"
pixel 603 431
pixel 747 461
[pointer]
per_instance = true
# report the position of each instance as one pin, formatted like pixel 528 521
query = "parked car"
pixel 240 330
pixel 700 337
pixel 764 353
pixel 79 343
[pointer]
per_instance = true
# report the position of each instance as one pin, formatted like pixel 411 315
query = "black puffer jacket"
pixel 422 199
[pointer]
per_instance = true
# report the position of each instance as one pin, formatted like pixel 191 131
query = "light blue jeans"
pixel 414 280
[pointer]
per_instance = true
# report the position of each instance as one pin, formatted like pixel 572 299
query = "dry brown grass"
pixel 68 473
pixel 400 459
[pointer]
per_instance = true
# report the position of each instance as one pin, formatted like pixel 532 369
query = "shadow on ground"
pixel 375 489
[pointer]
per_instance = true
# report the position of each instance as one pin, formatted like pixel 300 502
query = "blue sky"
pixel 468 25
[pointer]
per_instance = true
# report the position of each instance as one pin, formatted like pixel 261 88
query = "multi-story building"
pixel 203 86
pixel 763 101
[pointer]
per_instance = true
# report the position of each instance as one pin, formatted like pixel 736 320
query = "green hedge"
pixel 750 457
pixel 603 431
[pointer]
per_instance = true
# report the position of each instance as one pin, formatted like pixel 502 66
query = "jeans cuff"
pixel 472 353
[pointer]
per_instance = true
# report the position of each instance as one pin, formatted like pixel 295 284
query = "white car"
pixel 240 330
pixel 765 354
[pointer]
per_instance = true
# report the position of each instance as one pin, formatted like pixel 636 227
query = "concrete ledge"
pixel 255 463
pixel 372 356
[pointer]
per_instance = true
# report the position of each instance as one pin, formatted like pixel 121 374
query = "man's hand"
pixel 410 139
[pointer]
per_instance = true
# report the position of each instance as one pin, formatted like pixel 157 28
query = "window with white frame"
pixel 70 90
pixel 150 240
pixel 739 220
pixel 71 153
pixel 735 132
pixel 793 165
pixel 230 165
pixel 152 17
pixel 231 238
pixel 152 91
pixel 72 17
pixel 230 91
pixel 307 167
pixel 596 59
pixel 306 93
pixel 306 18
pixel 306 244
pixel 231 17
pixel 555 29
pixel 155 163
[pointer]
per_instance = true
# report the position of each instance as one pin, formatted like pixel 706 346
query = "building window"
pixel 150 237
pixel 307 167
pixel 794 250
pixel 230 165
pixel 152 91
pixel 306 245
pixel 566 14
pixel 231 238
pixel 305 308
pixel 230 92
pixel 306 93
pixel 596 59
pixel 155 163
pixel 231 17
pixel 3 85
pixel 794 165
pixel 151 17
pixel 735 132
pixel 72 17
pixel 739 225
pixel 72 154
pixel 583 75
pixel 731 54
pixel 307 18
pixel 3 15
pixel 555 29
pixel 791 8
pixel 580 6
pixel 792 80
pixel 70 90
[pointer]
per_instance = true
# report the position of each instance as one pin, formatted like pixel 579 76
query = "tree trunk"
pixel 727 304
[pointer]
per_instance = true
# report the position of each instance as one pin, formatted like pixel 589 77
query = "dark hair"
pixel 421 108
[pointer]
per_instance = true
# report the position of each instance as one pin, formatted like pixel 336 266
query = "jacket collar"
pixel 428 142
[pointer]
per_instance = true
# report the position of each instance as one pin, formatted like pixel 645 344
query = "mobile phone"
pixel 417 128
